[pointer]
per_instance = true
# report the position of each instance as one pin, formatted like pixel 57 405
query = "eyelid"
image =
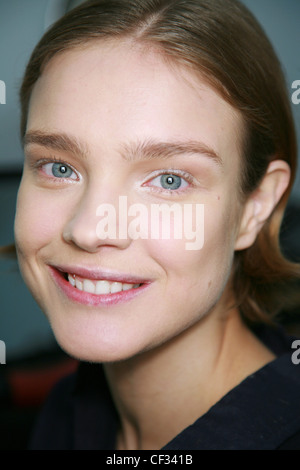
pixel 37 165
pixel 184 175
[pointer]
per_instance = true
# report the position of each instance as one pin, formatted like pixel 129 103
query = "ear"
pixel 261 203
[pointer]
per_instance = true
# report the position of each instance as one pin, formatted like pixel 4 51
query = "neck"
pixel 160 392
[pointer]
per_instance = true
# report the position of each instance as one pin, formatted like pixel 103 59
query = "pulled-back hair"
pixel 223 42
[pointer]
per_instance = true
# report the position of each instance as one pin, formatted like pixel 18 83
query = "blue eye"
pixel 59 170
pixel 169 181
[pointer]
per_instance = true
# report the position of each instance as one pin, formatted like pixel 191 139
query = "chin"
pixel 100 350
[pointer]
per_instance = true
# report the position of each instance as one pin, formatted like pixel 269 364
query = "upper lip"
pixel 96 273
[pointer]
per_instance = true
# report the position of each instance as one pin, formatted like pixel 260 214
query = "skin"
pixel 180 343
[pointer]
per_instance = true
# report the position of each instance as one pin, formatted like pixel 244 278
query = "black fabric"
pixel 293 443
pixel 261 413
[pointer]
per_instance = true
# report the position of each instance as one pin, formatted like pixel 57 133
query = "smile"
pixel 99 287
pixel 96 288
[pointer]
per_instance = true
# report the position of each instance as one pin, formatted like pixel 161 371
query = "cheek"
pixel 38 219
pixel 178 230
pixel 204 258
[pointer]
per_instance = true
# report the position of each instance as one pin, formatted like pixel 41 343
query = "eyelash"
pixel 43 162
pixel 188 178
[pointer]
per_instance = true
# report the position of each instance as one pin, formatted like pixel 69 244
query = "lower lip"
pixel 94 300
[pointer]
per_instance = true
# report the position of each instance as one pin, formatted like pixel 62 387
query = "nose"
pixel 94 224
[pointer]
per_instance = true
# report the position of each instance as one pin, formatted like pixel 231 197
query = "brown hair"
pixel 224 42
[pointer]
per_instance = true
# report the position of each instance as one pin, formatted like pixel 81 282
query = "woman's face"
pixel 113 124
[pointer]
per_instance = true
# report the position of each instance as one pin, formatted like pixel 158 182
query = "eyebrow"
pixel 143 150
pixel 150 149
pixel 59 142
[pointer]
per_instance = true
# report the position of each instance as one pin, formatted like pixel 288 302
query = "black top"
pixel 261 413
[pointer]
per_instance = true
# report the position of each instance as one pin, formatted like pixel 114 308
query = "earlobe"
pixel 262 202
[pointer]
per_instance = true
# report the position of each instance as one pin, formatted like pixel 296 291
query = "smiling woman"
pixel 160 102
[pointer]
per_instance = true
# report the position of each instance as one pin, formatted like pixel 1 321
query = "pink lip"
pixel 57 274
pixel 97 274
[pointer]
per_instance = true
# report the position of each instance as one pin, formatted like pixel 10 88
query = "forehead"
pixel 112 92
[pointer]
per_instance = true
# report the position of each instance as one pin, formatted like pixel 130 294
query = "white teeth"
pixel 128 286
pixel 99 287
pixel 102 287
pixel 88 286
pixel 116 287
pixel 78 284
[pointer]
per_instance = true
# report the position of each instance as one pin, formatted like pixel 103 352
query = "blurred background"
pixel 34 361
